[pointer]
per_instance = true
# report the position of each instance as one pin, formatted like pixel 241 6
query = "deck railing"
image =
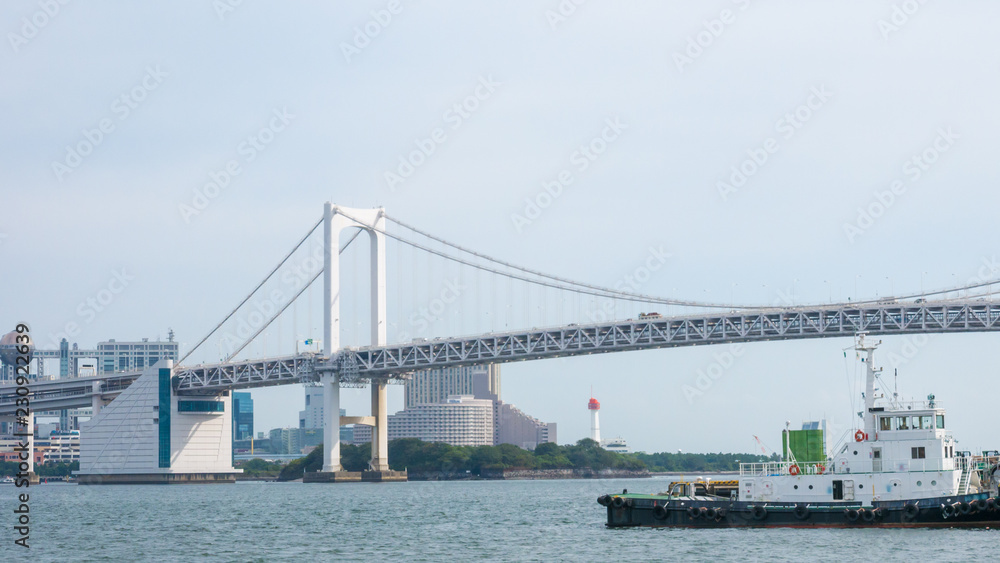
pixel 774 468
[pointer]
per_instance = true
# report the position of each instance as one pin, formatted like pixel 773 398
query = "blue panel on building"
pixel 164 412
pixel 201 406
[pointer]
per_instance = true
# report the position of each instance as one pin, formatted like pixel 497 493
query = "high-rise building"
pixel 436 385
pixel 516 427
pixel 109 357
pixel 294 440
pixel 242 416
pixel 450 419
pixel 459 420
pixel 312 416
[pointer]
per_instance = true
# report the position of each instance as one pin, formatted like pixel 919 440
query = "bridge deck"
pixel 395 361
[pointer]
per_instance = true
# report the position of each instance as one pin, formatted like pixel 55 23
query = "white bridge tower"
pixel 335 220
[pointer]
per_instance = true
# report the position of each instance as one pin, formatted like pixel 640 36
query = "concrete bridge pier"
pixel 97 403
pixel 29 429
pixel 380 434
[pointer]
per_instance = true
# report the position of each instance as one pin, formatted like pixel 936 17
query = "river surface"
pixel 419 521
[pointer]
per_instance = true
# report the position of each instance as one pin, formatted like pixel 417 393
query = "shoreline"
pixel 530 475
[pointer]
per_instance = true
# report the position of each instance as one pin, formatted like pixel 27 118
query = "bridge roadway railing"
pixel 249 373
pixel 66 393
pixel 665 332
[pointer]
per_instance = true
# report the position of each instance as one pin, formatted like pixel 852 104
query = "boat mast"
pixel 869 416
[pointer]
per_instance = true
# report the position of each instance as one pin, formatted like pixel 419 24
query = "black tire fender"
pixel 801 511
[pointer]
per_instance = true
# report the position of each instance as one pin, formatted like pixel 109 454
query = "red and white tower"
pixel 595 424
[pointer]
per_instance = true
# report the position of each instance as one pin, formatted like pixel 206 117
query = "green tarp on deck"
pixel 807 445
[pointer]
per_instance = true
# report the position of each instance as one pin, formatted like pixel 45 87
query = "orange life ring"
pixel 794 470
pixel 859 436
pixel 820 468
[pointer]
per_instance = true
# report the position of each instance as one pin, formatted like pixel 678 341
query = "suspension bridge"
pixel 607 319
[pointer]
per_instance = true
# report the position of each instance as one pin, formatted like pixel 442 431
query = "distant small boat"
pixel 7 480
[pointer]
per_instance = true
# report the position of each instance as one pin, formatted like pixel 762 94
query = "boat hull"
pixel 946 512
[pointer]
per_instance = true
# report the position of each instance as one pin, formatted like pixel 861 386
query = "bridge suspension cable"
pixel 255 290
pixel 556 281
pixel 624 295
pixel 290 301
pixel 602 291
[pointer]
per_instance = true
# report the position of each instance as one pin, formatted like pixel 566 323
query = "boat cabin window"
pixel 918 453
pixel 940 421
pixel 885 423
pixel 926 422
pixel 902 423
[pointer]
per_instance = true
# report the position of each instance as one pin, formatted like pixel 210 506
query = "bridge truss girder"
pixel 393 363
pixel 666 332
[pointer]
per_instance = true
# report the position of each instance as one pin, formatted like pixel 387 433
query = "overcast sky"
pixel 777 151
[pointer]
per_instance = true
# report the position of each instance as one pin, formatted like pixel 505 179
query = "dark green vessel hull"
pixel 628 510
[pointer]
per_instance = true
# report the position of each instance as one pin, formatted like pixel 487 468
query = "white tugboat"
pixel 901 468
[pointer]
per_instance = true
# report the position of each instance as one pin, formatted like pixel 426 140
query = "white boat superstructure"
pixel 904 451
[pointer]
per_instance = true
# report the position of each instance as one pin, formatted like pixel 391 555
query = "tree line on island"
pixel 54 469
pixel 418 456
pixel 415 455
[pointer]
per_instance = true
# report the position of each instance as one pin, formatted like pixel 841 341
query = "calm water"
pixel 513 520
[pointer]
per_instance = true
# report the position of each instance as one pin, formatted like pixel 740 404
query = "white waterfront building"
pixel 461 420
pixel 148 434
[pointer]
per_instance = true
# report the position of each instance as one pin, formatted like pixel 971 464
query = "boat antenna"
pixel 895 386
